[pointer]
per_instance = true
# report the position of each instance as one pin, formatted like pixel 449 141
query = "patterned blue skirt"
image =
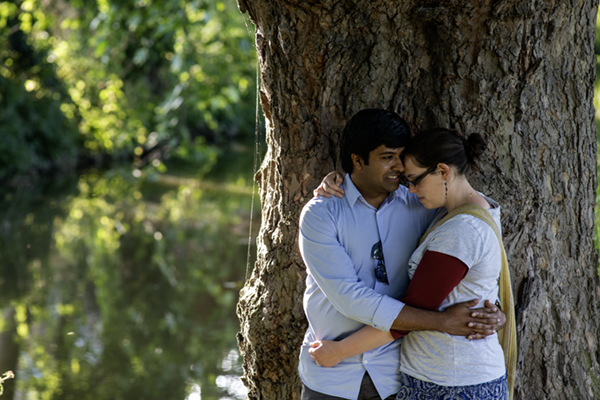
pixel 415 389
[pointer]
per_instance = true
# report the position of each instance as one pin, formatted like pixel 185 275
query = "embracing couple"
pixel 394 271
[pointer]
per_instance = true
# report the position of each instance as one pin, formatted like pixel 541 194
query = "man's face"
pixel 382 174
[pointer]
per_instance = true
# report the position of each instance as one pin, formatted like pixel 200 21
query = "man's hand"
pixel 489 313
pixel 461 320
pixel 325 353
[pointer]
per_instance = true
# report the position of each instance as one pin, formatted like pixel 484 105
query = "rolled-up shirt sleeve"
pixel 335 274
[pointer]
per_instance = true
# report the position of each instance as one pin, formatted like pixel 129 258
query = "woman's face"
pixel 429 184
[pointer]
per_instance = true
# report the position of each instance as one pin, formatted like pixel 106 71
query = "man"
pixel 356 250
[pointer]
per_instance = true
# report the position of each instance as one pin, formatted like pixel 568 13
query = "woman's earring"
pixel 446 186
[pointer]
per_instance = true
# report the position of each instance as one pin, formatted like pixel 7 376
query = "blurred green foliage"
pixel 124 80
pixel 34 131
pixel 124 284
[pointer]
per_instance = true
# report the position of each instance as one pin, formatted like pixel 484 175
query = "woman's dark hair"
pixel 447 146
pixel 367 130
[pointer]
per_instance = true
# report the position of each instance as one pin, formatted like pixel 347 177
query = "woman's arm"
pixel 330 185
pixel 329 353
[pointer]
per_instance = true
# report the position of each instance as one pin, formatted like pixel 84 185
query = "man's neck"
pixel 371 197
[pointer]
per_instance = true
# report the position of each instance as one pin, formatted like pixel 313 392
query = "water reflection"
pixel 117 285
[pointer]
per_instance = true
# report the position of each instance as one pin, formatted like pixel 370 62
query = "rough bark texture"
pixel 521 73
pixel 9 350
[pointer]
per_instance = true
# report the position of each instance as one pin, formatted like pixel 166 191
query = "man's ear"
pixel 357 161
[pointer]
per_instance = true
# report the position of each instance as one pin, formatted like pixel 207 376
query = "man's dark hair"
pixel 367 130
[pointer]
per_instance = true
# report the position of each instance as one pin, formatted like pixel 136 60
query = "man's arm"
pixel 333 270
pixel 456 320
pixel 434 279
pixel 329 353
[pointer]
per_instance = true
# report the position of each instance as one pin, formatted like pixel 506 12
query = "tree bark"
pixel 520 73
pixel 9 349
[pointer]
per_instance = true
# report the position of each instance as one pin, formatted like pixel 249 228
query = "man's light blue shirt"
pixel 342 294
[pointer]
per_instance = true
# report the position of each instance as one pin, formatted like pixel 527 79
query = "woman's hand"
pixel 331 186
pixel 325 353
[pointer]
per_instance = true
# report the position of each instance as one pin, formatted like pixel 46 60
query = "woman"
pixel 460 259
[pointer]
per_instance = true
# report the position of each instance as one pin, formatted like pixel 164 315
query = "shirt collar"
pixel 352 193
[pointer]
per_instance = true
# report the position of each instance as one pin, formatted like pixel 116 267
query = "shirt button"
pixel 366 361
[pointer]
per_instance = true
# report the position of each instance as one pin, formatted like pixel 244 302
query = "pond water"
pixel 122 284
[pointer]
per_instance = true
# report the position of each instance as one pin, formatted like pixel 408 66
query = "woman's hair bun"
pixel 447 146
pixel 474 147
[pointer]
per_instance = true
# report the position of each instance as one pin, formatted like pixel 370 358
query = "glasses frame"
pixel 380 271
pixel 419 178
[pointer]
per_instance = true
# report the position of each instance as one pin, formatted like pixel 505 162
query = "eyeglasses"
pixel 380 272
pixel 419 178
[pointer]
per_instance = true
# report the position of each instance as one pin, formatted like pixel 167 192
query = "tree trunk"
pixel 9 349
pixel 520 73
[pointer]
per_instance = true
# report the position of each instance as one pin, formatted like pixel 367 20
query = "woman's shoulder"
pixel 466 220
pixel 483 201
pixel 461 223
pixel 463 236
pixel 469 227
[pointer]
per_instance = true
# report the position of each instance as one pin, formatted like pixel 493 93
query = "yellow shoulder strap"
pixel 508 335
